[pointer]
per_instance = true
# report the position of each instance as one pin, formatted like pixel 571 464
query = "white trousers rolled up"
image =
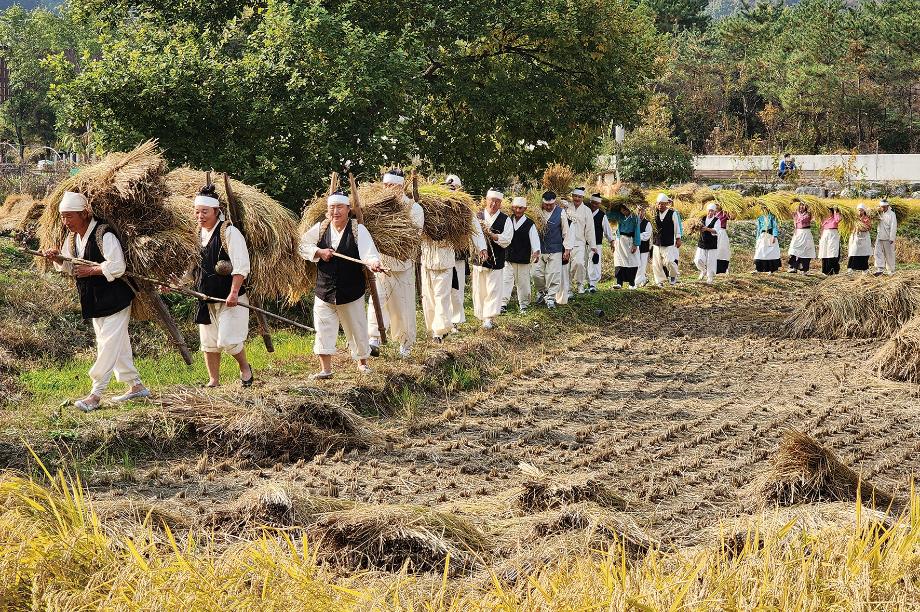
pixel 594 269
pixel 884 255
pixel 436 300
pixel 578 267
pixel 706 262
pixel 113 352
pixel 228 330
pixel 487 292
pixel 397 301
pixel 458 312
pixel 642 273
pixel 516 276
pixel 547 275
pixel 353 318
pixel 663 262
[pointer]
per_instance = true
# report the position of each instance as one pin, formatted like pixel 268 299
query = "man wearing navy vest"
pixel 340 283
pixel 555 247
pixel 666 239
pixel 522 253
pixel 487 274
pixel 105 297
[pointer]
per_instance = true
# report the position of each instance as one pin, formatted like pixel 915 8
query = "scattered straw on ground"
pixel 899 358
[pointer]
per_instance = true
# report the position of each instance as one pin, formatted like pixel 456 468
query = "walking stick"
pixel 418 265
pixel 368 275
pixel 236 217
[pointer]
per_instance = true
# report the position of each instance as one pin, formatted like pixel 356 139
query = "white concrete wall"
pixel 881 167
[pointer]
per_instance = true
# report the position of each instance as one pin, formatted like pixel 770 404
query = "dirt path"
pixel 680 415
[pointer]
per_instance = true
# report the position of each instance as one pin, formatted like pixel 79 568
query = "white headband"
pixel 393 179
pixel 494 194
pixel 203 200
pixel 663 197
pixel 73 202
pixel 860 207
pixel 711 206
pixel 884 203
pixel 338 198
pixel 578 192
pixel 520 201
pixel 596 199
pixel 545 201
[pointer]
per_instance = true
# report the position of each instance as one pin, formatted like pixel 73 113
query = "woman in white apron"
pixel 766 251
pixel 860 247
pixel 723 250
pixel 626 247
pixel 802 246
pixel 829 245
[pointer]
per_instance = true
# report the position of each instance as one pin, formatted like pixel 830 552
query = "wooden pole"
pixel 168 324
pixel 368 275
pixel 418 264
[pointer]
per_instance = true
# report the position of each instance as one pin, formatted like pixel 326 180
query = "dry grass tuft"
pixel 272 506
pixel 856 306
pixel 803 471
pixel 899 358
pixel 448 215
pixel 544 492
pixel 558 178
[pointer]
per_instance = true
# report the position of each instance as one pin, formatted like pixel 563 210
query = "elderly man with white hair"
pixel 706 259
pixel 397 287
pixel 340 283
pixel 105 297
pixel 885 234
pixel 487 272
pixel 666 240
pixel 523 251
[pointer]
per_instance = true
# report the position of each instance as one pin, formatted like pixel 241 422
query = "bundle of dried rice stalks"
pixel 856 306
pixel 386 216
pixel 448 215
pixel 128 192
pixel 275 506
pixel 271 233
pixel 19 212
pixel 899 358
pixel 687 192
pixel 261 427
pixel 391 538
pixel 558 178
pixel 544 492
pixel 627 200
pixel 803 471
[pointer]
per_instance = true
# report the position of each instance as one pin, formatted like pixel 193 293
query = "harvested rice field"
pixel 683 429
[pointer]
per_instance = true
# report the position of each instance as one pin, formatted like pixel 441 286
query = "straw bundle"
pixel 270 228
pixel 687 192
pixel 448 215
pixel 128 192
pixel 543 491
pixel 857 306
pixel 386 216
pixel 803 471
pixel 19 212
pixel 558 178
pixel 899 358
pixel 275 506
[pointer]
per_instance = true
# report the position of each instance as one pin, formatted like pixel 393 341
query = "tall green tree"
pixel 677 15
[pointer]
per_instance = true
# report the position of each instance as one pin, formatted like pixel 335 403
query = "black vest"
pixel 339 281
pixel 709 241
pixel 98 296
pixel 644 246
pixel 599 226
pixel 497 260
pixel 664 229
pixel 519 250
pixel 209 281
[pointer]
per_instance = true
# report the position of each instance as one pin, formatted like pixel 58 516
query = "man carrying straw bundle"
pixel 602 232
pixel 666 240
pixel 397 286
pixel 766 251
pixel 487 273
pixel 223 326
pixel 802 246
pixel 105 298
pixel 555 247
pixel 584 243
pixel 523 251
pixel 340 283
pixel 461 259
pixel 829 244
pixel 626 247
pixel 884 239
pixel 860 247
pixel 645 246
pixel 708 249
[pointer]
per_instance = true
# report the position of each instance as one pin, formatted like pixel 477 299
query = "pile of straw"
pixel 20 213
pixel 543 492
pixel 128 192
pixel 448 215
pixel 386 216
pixel 856 306
pixel 899 358
pixel 274 506
pixel 558 178
pixel 634 198
pixel 271 233
pixel 266 427
pixel 803 471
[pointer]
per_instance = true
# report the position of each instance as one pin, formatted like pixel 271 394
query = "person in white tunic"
pixel 340 283
pixel 645 247
pixel 522 253
pixel 105 297
pixel 223 326
pixel 802 245
pixel 602 232
pixel 666 240
pixel 584 242
pixel 396 288
pixel 487 273
pixel 461 261
pixel 885 235
pixel 555 248
pixel 860 246
pixel 707 251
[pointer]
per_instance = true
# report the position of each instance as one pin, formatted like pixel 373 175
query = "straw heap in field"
pixel 899 358
pixel 448 215
pixel 805 472
pixel 558 178
pixel 857 306
pixel 270 228
pixel 386 216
